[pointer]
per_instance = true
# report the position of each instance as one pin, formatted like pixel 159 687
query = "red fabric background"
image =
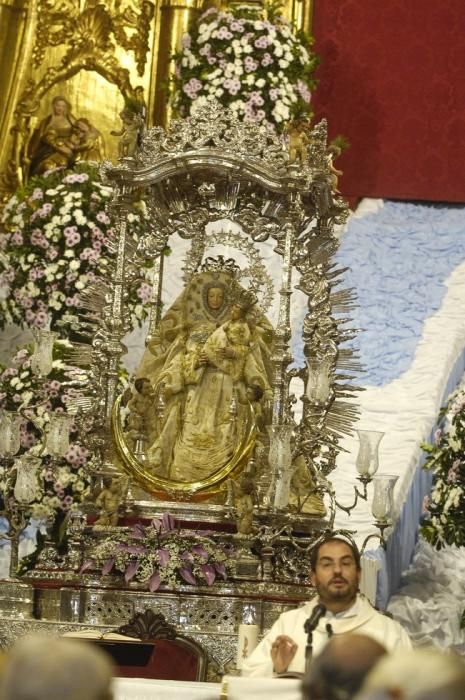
pixel 392 81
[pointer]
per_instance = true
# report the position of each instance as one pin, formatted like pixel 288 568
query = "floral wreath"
pixel 162 554
pixel 257 67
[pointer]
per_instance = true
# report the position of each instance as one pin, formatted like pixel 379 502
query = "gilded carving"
pixel 91 27
pixel 90 35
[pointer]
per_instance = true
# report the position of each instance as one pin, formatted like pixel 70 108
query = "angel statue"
pixel 210 352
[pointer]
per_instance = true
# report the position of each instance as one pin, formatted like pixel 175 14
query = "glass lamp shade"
pixel 10 441
pixel 319 380
pixel 280 457
pixel 57 435
pixel 27 487
pixel 383 491
pixel 42 358
pixel 367 458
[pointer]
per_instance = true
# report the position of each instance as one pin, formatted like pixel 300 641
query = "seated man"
pixel 335 573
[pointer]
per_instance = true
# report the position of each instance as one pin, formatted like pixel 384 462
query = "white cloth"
pixel 362 618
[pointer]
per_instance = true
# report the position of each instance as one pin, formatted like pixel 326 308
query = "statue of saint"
pixel 61 140
pixel 211 348
pixel 108 501
pixel 50 146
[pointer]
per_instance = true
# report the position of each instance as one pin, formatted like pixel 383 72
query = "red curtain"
pixel 392 80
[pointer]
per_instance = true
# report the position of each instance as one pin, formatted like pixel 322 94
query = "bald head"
pixel 41 668
pixel 341 667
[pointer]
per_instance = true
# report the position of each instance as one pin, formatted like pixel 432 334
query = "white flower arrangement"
pixel 259 68
pixel 56 243
pixel 444 512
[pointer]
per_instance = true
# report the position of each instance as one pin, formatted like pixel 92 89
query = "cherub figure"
pixel 298 134
pixel 303 497
pixel 333 152
pixel 129 132
pixel 139 405
pixel 242 493
pixel 108 501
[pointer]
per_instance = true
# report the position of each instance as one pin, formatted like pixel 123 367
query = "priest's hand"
pixel 283 651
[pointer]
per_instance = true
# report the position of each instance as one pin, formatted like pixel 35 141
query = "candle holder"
pixel 318 388
pixel 10 441
pixel 42 358
pixel 280 460
pixel 57 435
pixel 367 463
pixel 382 506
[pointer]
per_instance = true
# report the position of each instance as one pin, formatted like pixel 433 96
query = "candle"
pixel 247 641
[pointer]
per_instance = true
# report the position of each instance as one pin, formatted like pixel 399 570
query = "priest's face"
pixel 336 577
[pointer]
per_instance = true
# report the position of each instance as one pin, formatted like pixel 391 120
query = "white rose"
pixel 74 265
pixel 283 63
pixel 250 79
pixel 219 92
pixel 278 50
pixel 260 83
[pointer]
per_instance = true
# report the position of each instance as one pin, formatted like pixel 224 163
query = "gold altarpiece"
pixel 93 54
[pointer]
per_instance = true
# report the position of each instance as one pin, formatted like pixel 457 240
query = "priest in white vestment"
pixel 338 609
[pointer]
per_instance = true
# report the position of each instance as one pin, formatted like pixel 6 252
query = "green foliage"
pixel 444 519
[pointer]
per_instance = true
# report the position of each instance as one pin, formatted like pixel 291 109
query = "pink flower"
pixel 262 42
pixel 223 33
pixel 102 217
pixel 144 292
pixel 51 253
pixel 17 238
pixel 267 60
pixel 41 319
pixel 237 26
pixel 37 194
pixel 303 91
pixel 72 237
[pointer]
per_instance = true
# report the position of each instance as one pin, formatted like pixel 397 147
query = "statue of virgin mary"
pixel 208 363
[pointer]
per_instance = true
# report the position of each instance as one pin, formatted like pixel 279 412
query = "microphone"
pixel 318 612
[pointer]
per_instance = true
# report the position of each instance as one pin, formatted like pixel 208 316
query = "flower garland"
pixel 444 517
pixel 160 553
pixel 56 243
pixel 67 486
pixel 259 68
